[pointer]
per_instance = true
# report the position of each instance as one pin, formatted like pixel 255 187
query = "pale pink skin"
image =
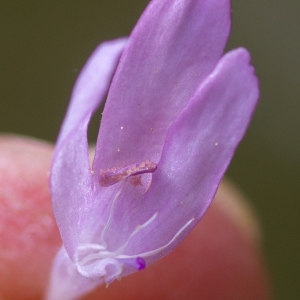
pixel 220 259
pixel 173 99
pixel 28 232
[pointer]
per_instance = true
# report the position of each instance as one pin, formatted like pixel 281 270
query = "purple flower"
pixel 175 113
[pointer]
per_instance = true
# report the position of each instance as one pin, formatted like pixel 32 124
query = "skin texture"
pixel 28 233
pixel 220 259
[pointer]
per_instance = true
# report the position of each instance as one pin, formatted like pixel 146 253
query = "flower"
pixel 175 113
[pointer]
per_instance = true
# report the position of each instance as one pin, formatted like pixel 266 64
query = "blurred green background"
pixel 44 45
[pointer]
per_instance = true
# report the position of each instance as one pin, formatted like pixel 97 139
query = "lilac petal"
pixel 66 282
pixel 71 181
pixel 174 46
pixel 203 139
pixel 197 151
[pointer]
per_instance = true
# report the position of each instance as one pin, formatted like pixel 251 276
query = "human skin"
pixel 220 259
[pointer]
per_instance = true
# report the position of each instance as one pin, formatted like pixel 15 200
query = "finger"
pixel 220 259
pixel 28 233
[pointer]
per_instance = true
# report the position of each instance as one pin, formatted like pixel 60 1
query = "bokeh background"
pixel 44 44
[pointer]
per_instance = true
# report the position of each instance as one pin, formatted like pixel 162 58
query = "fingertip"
pixel 28 233
pixel 220 259
pixel 235 205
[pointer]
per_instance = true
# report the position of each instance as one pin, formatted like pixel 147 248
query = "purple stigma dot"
pixel 141 263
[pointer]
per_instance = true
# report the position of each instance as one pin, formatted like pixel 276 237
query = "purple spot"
pixel 138 263
pixel 141 263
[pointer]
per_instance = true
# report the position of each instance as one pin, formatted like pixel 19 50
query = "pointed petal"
pixel 198 149
pixel 70 173
pixel 173 47
pixel 203 139
pixel 66 282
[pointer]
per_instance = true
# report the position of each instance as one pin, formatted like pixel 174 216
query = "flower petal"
pixel 71 181
pixel 174 46
pixel 203 139
pixel 197 151
pixel 66 282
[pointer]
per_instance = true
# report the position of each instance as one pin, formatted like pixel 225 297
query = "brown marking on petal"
pixel 148 186
pixel 114 175
pixel 136 180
